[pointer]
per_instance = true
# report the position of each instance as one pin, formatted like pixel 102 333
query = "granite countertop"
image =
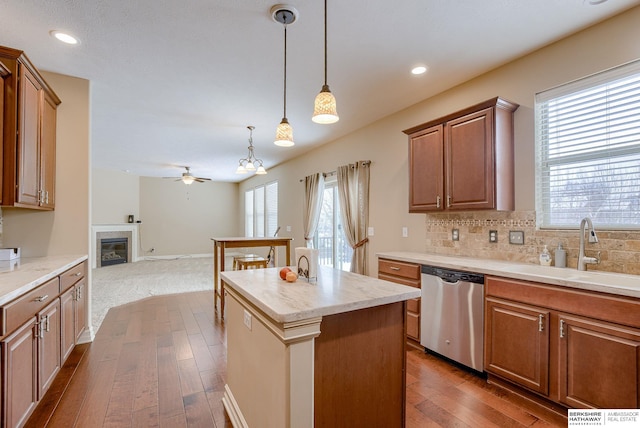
pixel 334 292
pixel 20 276
pixel 612 283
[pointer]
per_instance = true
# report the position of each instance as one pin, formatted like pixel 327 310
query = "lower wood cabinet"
pixel 19 374
pixel 599 364
pixel 517 343
pixel 38 331
pixel 406 274
pixel 577 348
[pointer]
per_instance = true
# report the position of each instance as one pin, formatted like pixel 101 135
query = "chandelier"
pixel 250 163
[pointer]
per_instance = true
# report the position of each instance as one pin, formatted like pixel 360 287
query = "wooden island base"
pixel 345 369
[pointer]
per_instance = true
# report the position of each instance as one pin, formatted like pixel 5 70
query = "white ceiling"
pixel 175 83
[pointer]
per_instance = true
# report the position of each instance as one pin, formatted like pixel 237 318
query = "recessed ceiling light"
pixel 64 37
pixel 421 69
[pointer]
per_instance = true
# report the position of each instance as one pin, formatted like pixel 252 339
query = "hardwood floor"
pixel 161 362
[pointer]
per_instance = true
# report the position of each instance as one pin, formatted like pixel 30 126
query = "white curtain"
pixel 313 191
pixel 353 191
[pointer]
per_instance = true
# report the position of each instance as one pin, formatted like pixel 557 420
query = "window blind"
pixel 588 151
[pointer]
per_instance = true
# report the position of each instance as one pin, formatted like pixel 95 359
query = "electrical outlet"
pixel 370 231
pixel 152 250
pixel 288 228
pixel 247 319
pixel 493 236
pixel 455 235
pixel 516 237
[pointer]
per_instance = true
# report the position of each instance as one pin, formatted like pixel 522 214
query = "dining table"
pixel 221 244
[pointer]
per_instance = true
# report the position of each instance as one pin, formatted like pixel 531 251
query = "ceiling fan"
pixel 187 178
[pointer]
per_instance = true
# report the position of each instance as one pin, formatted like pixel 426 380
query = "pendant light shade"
pixel 284 134
pixel 325 110
pixel 285 15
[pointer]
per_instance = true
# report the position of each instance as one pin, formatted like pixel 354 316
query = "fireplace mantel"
pixel 106 228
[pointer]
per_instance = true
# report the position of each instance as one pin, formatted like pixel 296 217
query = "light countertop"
pixel 20 276
pixel 612 283
pixel 334 292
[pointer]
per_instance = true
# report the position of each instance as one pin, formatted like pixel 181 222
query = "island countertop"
pixel 333 292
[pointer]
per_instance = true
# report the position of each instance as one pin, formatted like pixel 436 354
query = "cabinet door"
pixel 599 364
pixel 80 308
pixel 517 343
pixel 19 376
pixel 48 153
pixel 48 346
pixel 67 323
pixel 469 161
pixel 426 170
pixel 28 139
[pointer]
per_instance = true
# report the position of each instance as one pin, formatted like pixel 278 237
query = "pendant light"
pixel 250 162
pixel 285 15
pixel 325 110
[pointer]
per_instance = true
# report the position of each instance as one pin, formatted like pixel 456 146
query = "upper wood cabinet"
pixel 28 134
pixel 463 161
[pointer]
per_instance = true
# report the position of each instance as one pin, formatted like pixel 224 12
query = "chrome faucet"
pixel 583 261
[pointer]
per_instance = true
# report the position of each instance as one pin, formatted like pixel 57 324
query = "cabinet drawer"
pixel 15 313
pixel 72 276
pixel 413 305
pixel 400 269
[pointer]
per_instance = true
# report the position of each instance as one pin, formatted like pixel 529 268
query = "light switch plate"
pixel 516 237
pixel 370 231
pixel 405 232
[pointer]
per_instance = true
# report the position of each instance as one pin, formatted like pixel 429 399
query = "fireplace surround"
pixel 128 232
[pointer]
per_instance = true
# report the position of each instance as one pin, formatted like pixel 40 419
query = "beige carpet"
pixel 120 284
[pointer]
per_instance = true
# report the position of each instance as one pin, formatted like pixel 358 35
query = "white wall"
pixel 181 220
pixel 606 45
pixel 116 194
pixel 66 229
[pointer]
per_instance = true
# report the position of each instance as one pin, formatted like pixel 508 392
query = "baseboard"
pixel 175 257
pixel 233 410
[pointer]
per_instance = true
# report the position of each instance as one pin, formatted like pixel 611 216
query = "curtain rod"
pixel 330 173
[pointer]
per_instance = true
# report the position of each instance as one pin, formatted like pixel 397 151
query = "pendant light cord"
pixel 285 69
pixel 325 42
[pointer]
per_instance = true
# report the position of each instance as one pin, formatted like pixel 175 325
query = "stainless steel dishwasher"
pixel 452 315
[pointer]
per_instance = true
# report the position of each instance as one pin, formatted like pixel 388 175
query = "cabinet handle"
pixel 561 328
pixel 77 274
pixel 46 197
pixel 393 268
pixel 46 320
pixel 41 298
pixel 438 202
pixel 540 322
pixel 448 201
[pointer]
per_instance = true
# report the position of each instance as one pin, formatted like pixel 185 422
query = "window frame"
pixel 549 155
pixel 261 219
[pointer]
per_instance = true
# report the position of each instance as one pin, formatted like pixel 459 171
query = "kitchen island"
pixel 325 353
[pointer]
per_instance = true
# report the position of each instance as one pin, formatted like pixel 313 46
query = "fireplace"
pixel 114 251
pixel 127 232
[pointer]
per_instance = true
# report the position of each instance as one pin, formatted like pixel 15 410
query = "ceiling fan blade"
pixel 203 179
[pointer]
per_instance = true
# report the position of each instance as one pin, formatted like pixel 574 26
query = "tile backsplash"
pixel 619 250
